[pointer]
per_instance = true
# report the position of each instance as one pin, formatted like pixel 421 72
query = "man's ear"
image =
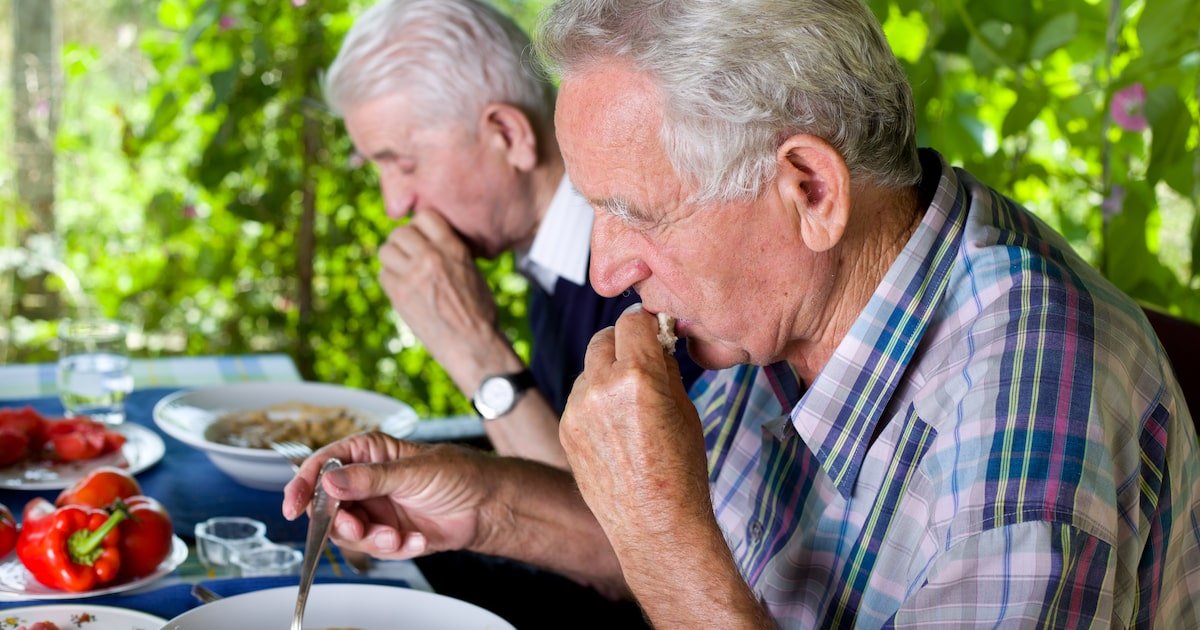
pixel 814 182
pixel 509 130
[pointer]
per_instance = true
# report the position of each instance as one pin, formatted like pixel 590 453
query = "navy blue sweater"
pixel 563 324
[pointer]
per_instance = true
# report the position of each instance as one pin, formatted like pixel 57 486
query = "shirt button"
pixel 756 531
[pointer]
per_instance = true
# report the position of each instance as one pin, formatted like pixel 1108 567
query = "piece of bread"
pixel 666 332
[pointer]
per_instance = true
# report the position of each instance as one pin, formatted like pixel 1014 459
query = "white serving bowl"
pixel 186 416
pixel 366 606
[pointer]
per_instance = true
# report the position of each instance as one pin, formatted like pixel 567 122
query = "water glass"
pixel 94 375
pixel 221 538
pixel 270 559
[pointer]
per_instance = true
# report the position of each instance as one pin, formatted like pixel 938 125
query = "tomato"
pixel 81 438
pixel 146 537
pixel 100 488
pixel 22 432
pixel 14 447
pixel 8 531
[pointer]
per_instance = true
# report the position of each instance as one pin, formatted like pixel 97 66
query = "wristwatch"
pixel 499 393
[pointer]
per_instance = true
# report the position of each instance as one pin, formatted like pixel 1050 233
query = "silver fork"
pixel 319 524
pixel 296 453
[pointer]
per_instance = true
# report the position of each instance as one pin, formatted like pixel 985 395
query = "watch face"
pixel 497 395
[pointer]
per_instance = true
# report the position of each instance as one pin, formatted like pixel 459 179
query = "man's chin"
pixel 710 356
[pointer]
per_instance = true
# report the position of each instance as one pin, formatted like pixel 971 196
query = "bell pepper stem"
pixel 84 545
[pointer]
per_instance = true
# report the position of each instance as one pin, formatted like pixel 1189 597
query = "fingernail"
pixel 292 509
pixel 385 541
pixel 632 308
pixel 415 543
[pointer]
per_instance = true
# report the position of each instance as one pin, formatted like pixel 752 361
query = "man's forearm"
pixel 537 516
pixel 530 431
pixel 688 579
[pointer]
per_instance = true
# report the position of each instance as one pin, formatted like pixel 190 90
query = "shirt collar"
pixel 560 248
pixel 838 414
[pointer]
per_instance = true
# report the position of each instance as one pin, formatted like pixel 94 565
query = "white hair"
pixel 459 55
pixel 737 77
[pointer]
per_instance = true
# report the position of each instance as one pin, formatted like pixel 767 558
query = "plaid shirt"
pixel 1035 463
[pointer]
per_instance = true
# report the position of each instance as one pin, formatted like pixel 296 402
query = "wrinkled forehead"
pixel 611 113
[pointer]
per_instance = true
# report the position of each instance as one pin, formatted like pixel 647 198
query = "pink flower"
pixel 299 3
pixel 1128 108
pixel 227 22
pixel 189 212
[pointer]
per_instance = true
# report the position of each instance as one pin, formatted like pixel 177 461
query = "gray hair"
pixel 460 54
pixel 737 77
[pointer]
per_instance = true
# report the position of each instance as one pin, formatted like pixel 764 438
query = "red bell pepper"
pixel 146 537
pixel 8 531
pixel 100 488
pixel 73 548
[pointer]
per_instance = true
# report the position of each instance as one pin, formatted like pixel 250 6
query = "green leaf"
pixel 1195 242
pixel 1053 34
pixel 1170 122
pixel 164 115
pixel 1030 101
pixel 1181 176
pixel 1000 43
pixel 222 85
pixel 1125 239
pixel 1165 21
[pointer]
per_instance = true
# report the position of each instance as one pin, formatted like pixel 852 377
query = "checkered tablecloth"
pixel 31 380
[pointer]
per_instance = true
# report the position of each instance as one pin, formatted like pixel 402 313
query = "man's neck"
pixel 885 222
pixel 543 182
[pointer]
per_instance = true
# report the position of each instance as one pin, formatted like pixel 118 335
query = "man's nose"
pixel 398 199
pixel 616 264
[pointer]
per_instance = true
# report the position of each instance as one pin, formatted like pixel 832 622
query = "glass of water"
pixel 94 376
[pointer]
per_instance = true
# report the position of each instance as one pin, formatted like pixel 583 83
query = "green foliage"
pixel 1021 95
pixel 190 201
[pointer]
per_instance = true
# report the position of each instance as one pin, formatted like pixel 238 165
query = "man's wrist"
pixel 498 394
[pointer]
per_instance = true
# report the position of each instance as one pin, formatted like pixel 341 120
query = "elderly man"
pixel 956 420
pixel 444 98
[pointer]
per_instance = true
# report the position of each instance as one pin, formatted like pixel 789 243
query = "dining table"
pixel 193 490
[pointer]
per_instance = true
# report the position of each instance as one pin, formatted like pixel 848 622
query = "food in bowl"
pixel 314 425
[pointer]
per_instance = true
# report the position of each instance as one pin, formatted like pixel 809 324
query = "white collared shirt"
pixel 560 249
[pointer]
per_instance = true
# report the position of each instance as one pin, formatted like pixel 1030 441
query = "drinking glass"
pixel 94 376
pixel 221 538
pixel 269 559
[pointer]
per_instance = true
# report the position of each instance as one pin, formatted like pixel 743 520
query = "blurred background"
pixel 170 163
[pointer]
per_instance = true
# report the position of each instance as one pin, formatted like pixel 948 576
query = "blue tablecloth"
pixel 171 601
pixel 185 481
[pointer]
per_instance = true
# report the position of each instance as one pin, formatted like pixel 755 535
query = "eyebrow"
pixel 621 209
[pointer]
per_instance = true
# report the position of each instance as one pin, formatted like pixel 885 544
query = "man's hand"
pixel 398 499
pixel 636 447
pixel 633 437
pixel 401 500
pixel 430 277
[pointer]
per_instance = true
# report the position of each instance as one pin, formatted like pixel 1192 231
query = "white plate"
pixel 142 449
pixel 365 606
pixel 16 582
pixel 80 616
pixel 186 415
